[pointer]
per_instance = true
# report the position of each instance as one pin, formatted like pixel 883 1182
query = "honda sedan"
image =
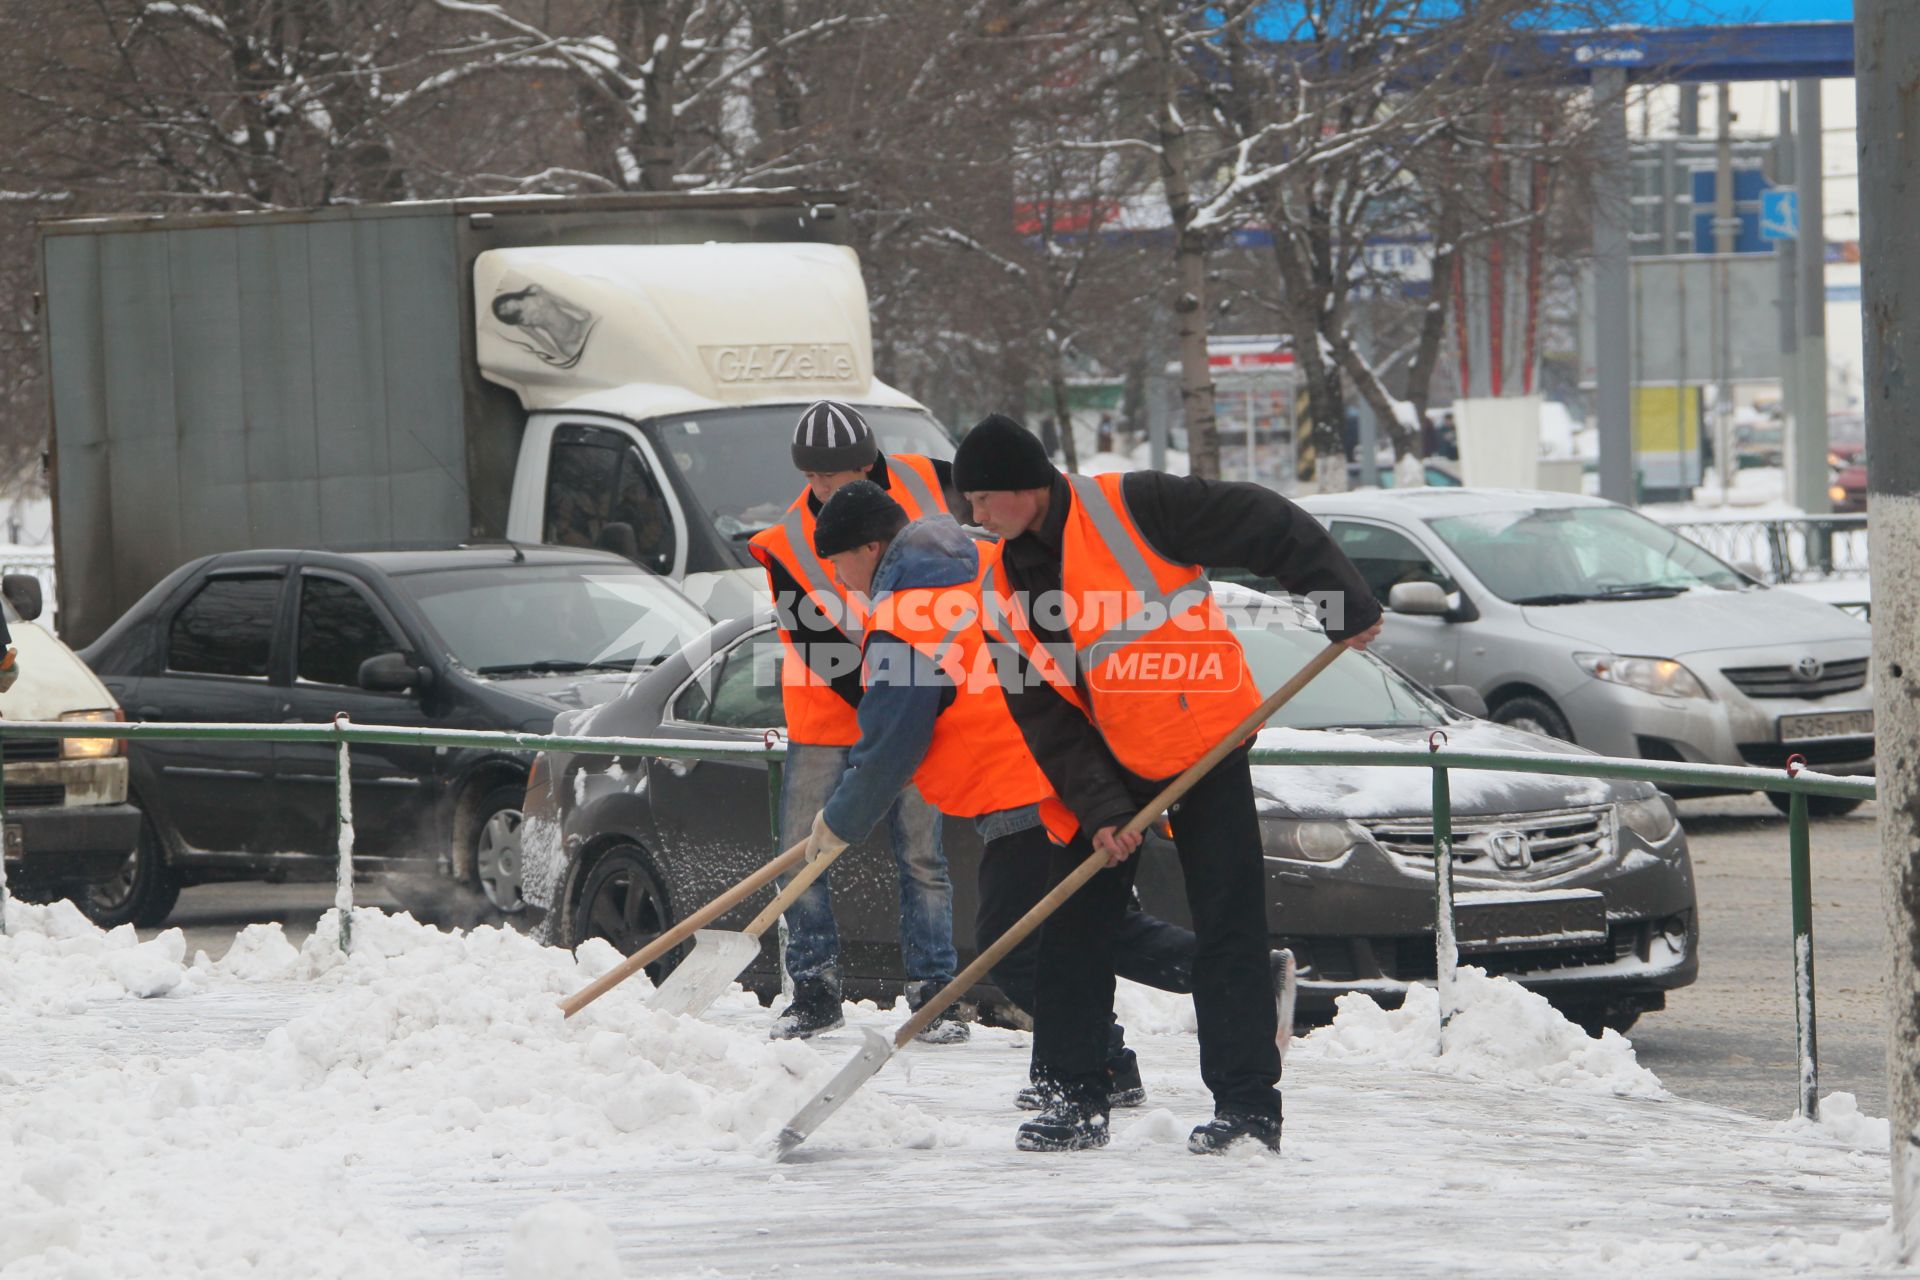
pixel 1580 889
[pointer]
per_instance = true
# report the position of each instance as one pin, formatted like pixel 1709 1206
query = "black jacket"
pixel 807 628
pixel 1212 523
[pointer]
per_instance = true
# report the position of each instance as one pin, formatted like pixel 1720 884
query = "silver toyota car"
pixel 1586 620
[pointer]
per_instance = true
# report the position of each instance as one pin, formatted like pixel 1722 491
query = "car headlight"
pixel 1651 819
pixel 1305 841
pixel 91 748
pixel 1662 677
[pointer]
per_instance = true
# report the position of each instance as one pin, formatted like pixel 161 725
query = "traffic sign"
pixel 1780 214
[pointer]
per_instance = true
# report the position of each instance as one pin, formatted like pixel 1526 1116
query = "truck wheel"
pixel 142 894
pixel 496 848
pixel 1535 715
pixel 624 902
pixel 1817 806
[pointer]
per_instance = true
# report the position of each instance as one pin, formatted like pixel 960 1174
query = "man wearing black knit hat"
pixel 820 631
pixel 1093 573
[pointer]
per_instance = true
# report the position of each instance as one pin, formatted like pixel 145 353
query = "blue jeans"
pixel 811 944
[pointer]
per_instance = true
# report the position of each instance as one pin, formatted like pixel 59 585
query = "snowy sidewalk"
pixel 420 1110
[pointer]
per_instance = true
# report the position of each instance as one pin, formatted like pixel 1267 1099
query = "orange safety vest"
pixel 977 762
pixel 815 713
pixel 1154 664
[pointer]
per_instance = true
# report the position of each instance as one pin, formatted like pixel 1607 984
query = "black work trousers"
pixel 1217 833
pixel 1015 872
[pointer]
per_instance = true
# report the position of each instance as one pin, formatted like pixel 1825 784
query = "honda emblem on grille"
pixel 1511 850
pixel 1808 668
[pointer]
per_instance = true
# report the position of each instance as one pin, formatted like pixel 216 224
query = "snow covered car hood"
pixel 1700 621
pixel 1346 791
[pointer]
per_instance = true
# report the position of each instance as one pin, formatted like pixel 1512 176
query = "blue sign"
pixel 1780 215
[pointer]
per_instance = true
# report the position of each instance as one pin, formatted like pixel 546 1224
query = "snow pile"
pixel 1146 1011
pixel 562 1239
pixel 236 1161
pixel 1842 1121
pixel 55 960
pixel 1502 1033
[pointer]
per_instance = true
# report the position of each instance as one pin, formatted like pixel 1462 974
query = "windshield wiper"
pixel 1642 591
pixel 546 666
pixel 1559 597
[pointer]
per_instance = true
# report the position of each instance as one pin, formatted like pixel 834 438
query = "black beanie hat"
pixel 855 515
pixel 831 436
pixel 999 453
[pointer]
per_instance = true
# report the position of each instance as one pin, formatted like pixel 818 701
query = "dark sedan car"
pixel 1580 889
pixel 485 637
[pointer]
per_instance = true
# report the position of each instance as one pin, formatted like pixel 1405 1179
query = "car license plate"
pixel 16 842
pixel 1516 921
pixel 1828 724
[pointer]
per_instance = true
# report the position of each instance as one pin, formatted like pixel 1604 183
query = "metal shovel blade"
pixel 1285 1000
pixel 846 1082
pixel 719 956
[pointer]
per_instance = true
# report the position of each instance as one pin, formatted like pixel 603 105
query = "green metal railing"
pixel 1795 781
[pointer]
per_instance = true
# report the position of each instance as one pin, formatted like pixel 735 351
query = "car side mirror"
pixel 1747 567
pixel 392 673
pixel 1419 598
pixel 23 593
pixel 1463 698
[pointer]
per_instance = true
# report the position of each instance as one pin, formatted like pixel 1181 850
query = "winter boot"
pixel 815 1008
pixel 1229 1127
pixel 1073 1121
pixel 1124 1088
pixel 949 1027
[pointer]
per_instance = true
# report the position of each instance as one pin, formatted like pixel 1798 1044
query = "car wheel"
pixel 1535 715
pixel 1595 1016
pixel 1817 806
pixel 624 902
pixel 144 891
pixel 496 848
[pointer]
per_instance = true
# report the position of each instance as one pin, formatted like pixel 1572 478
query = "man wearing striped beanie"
pixel 820 632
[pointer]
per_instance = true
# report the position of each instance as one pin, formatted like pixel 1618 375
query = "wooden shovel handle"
pixel 790 895
pixel 682 931
pixel 1097 860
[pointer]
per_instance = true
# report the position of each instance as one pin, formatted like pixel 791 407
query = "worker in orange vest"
pixel 933 714
pixel 1123 673
pixel 820 628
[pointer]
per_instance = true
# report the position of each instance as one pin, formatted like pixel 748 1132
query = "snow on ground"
pixel 419 1108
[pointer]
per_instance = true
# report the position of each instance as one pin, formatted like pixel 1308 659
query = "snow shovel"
pixel 682 931
pixel 875 1053
pixel 720 955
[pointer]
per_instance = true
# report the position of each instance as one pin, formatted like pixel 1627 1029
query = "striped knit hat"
pixel 831 436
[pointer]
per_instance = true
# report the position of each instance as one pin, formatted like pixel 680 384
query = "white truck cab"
pixel 661 384
pixel 67 821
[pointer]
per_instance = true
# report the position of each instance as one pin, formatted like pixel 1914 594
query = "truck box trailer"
pixel 618 371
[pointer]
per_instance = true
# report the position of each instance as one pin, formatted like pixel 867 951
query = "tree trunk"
pixel 1190 252
pixel 1062 414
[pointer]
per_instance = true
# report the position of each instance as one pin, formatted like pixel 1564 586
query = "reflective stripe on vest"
pixel 820 584
pixel 1159 709
pixel 1155 606
pixel 815 713
pixel 922 491
pixel 977 760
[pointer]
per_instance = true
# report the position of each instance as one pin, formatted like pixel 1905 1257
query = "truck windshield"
pixel 737 464
pixel 1568 555
pixel 535 619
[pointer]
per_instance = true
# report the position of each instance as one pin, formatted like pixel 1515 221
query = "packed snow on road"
pixel 418 1107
